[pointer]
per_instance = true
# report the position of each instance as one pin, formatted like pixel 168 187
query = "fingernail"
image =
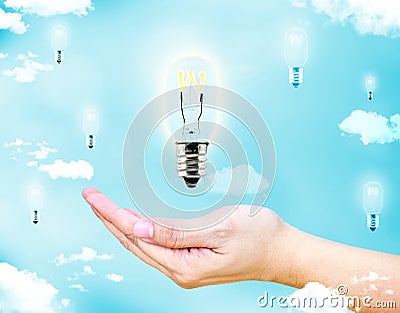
pixel 143 229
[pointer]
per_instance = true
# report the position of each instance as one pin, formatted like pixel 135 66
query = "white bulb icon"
pixel 296 54
pixel 373 203
pixel 370 87
pixel 59 40
pixel 35 202
pixel 91 124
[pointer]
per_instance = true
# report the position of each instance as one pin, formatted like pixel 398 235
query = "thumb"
pixel 174 237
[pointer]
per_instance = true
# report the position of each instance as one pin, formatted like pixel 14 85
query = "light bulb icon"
pixel 35 202
pixel 296 54
pixel 373 203
pixel 191 153
pixel 59 39
pixel 191 75
pixel 370 87
pixel 91 123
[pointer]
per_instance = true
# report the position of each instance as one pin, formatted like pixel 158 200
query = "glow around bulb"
pixel 91 124
pixel 296 54
pixel 59 40
pixel 35 202
pixel 373 203
pixel 370 87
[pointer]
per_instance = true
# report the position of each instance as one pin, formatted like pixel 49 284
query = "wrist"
pixel 287 264
pixel 302 258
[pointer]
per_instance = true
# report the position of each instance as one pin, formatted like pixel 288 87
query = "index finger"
pixel 111 212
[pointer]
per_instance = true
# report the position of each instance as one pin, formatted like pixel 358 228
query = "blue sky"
pixel 115 61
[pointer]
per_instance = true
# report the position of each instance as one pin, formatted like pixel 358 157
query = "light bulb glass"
pixel 192 113
pixel 373 203
pixel 296 54
pixel 59 41
pixel 35 202
pixel 370 86
pixel 191 77
pixel 91 125
pixel 191 74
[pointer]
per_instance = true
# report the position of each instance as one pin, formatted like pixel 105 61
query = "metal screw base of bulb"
pixel 296 76
pixel 35 216
pixel 370 95
pixel 191 162
pixel 90 141
pixel 373 221
pixel 59 56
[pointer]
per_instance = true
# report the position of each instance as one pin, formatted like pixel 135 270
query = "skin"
pixel 244 247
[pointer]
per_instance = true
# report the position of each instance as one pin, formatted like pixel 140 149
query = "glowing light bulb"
pixel 373 203
pixel 370 87
pixel 35 202
pixel 59 39
pixel 91 123
pixel 191 75
pixel 296 54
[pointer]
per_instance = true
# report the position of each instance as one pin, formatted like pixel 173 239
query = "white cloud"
pixel 17 147
pixel 368 16
pixel 43 152
pixel 29 70
pixel 313 293
pixel 372 127
pixel 65 302
pixel 373 287
pixel 299 3
pixel 17 143
pixel 22 291
pixel 72 169
pixel 389 292
pixel 87 254
pixel 3 55
pixel 13 22
pixel 115 277
pixel 224 179
pixel 23 57
pixel 39 154
pixel 51 7
pixel 371 277
pixel 78 287
pixel 32 55
pixel 87 270
pixel 32 164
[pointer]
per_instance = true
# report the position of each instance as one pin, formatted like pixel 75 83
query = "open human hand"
pixel 240 247
pixel 248 247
